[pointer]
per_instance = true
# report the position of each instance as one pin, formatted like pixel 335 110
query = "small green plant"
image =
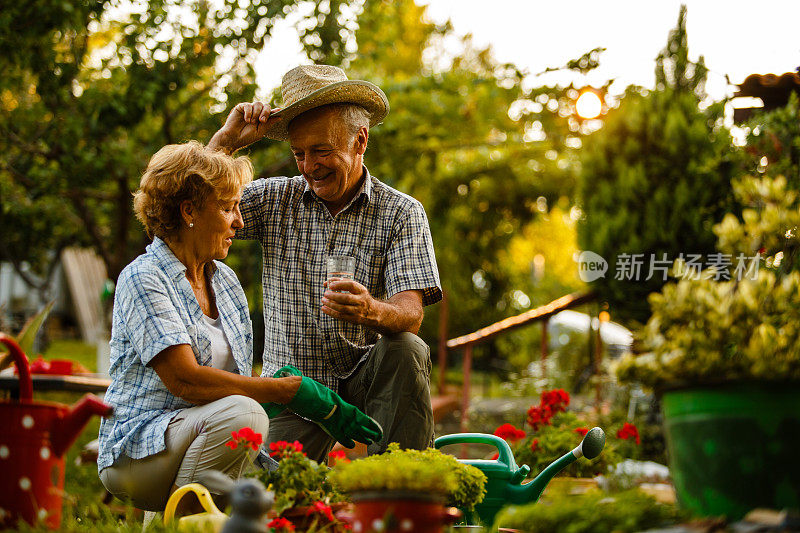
pixel 298 481
pixel 427 471
pixel 27 335
pixel 593 512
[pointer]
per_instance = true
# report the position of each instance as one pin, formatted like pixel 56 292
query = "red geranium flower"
pixel 557 400
pixel 281 525
pixel 509 433
pixel 245 437
pixel 551 403
pixel 321 509
pixel 281 448
pixel 581 431
pixel 538 417
pixel 535 445
pixel 337 456
pixel 629 431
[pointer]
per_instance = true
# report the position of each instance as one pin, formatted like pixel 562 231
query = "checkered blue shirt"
pixel 155 308
pixel 385 230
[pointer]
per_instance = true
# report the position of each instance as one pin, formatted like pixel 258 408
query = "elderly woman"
pixel 181 340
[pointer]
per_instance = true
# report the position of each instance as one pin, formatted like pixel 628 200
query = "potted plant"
pixel 722 350
pixel 406 490
pixel 304 497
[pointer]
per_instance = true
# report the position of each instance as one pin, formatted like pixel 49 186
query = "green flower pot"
pixel 734 447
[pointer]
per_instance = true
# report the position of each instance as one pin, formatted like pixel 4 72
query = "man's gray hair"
pixel 353 116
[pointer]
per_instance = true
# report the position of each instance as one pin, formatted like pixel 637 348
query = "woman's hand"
pixel 339 419
pixel 289 386
pixel 246 124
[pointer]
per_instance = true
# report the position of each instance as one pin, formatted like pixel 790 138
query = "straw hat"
pixel 309 86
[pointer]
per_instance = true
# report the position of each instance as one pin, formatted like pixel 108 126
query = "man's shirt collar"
pixel 365 190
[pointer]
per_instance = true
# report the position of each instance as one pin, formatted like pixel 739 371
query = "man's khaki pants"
pixel 392 386
pixel 195 443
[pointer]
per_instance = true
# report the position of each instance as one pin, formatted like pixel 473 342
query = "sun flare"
pixel 588 105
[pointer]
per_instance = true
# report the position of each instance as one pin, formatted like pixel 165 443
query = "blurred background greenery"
pixel 515 182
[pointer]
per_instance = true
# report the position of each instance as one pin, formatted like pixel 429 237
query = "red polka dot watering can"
pixel 34 437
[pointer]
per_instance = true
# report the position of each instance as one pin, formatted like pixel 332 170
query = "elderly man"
pixel 356 336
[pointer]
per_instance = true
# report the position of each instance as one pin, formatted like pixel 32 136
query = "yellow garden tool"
pixel 212 520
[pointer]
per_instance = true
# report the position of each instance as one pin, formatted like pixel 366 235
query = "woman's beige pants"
pixel 195 443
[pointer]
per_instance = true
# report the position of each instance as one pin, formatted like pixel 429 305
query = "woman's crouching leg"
pixel 195 442
pixel 212 426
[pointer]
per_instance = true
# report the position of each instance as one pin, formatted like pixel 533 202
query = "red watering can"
pixel 33 439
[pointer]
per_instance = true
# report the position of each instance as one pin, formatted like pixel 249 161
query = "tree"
pixel 472 144
pixel 480 150
pixel 775 135
pixel 90 90
pixel 655 179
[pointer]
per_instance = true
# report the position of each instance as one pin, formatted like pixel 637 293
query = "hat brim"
pixel 363 93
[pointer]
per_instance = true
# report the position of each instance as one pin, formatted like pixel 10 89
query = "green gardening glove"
pixel 339 419
pixel 273 409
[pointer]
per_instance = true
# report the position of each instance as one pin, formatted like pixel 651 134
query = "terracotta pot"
pixel 399 512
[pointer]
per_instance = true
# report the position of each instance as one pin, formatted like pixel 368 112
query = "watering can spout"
pixel 590 447
pixel 73 421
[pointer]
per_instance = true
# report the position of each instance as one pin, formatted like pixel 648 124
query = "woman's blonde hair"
pixel 180 172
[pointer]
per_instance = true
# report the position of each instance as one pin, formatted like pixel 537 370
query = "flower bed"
pixel 552 430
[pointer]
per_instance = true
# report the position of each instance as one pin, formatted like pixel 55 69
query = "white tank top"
pixel 221 355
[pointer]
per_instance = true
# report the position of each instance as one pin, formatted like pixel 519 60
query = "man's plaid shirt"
pixel 385 230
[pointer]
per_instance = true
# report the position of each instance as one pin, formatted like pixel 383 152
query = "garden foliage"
pixel 714 329
pixel 298 481
pixel 654 179
pixel 593 512
pixel 555 431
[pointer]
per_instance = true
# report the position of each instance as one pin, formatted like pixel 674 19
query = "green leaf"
pixel 28 333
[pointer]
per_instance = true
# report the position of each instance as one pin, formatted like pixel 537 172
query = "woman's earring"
pixel 191 224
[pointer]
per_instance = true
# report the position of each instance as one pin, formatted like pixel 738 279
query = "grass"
pixel 77 350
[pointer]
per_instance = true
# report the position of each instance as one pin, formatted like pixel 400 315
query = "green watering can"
pixel 503 477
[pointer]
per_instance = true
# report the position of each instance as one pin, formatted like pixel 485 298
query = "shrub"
pixel 593 512
pixel 427 471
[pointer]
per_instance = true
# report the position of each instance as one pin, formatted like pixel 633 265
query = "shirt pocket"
pixel 370 268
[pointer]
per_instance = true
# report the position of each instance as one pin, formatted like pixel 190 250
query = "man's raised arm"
pixel 246 124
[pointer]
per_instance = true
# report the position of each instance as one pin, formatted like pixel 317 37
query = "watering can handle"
pixel 504 451
pixel 202 494
pixel 21 361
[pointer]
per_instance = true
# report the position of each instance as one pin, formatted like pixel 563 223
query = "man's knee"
pixel 405 348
